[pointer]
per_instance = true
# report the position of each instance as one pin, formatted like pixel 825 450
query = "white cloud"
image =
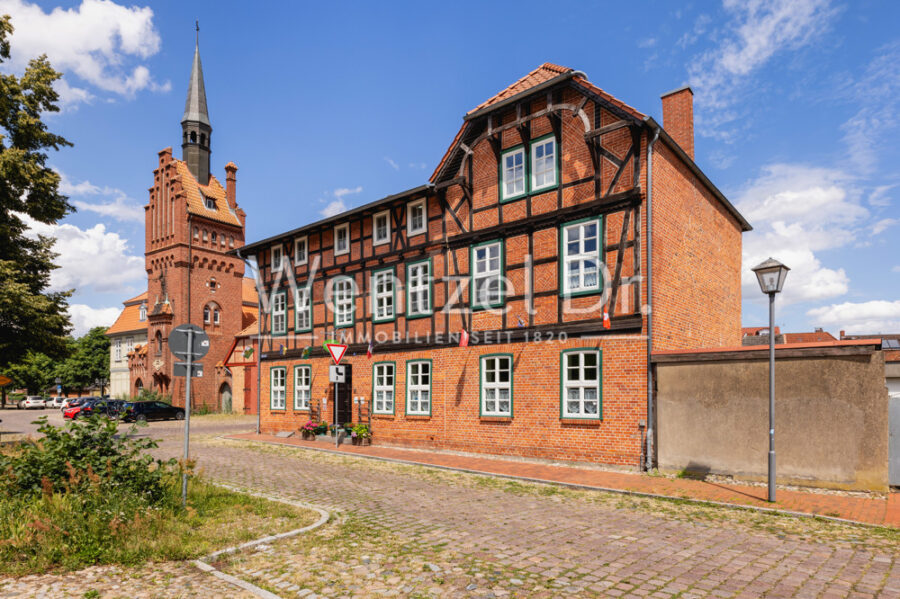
pixel 690 37
pixel 338 205
pixel 796 212
pixel 876 316
pixel 878 196
pixel 896 268
pixel 121 208
pixel 758 31
pixel 647 42
pixel 90 259
pixel 393 164
pixel 883 225
pixel 84 318
pixel 99 42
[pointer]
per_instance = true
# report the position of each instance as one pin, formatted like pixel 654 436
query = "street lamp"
pixel 101 382
pixel 771 275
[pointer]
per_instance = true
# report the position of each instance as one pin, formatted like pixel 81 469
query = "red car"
pixel 73 412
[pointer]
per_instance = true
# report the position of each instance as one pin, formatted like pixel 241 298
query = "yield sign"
pixel 337 351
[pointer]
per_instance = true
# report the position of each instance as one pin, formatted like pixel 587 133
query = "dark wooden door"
pixel 344 399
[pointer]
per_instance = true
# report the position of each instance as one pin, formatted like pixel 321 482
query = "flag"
pixel 248 352
pixel 306 351
pixel 281 349
pixel 370 350
pixel 521 322
pixel 606 323
pixel 464 338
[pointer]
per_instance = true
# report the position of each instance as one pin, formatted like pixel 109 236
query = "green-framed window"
pixel 384 387
pixel 513 173
pixel 580 257
pixel 384 295
pixel 496 372
pixel 487 274
pixel 581 383
pixel 279 313
pixel 418 289
pixel 344 299
pixel 544 163
pixel 277 387
pixel 418 387
pixel 303 309
pixel 302 386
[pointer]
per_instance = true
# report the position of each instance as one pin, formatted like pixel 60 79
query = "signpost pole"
pixel 187 414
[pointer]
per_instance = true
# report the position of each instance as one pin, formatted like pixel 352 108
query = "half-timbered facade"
pixel 562 233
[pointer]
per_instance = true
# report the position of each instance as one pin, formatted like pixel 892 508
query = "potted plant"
pixel 322 428
pixel 361 435
pixel 308 431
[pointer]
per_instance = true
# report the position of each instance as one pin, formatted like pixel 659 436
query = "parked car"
pixel 151 410
pixel 72 412
pixel 75 401
pixel 55 402
pixel 32 402
pixel 111 408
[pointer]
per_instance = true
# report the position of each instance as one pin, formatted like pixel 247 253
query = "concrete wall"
pixel 831 415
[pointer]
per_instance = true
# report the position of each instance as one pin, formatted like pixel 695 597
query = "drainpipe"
pixel 190 270
pixel 650 420
pixel 258 345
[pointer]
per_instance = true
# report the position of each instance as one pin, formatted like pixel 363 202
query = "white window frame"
pixel 277 258
pixel 207 315
pixel 496 386
pixel 302 308
pixel 279 313
pixel 581 257
pixel 302 388
pixel 581 385
pixel 209 202
pixel 343 301
pixel 117 354
pixel 539 165
pixel 504 173
pixel 129 345
pixel 346 229
pixel 384 393
pixel 415 387
pixel 416 284
pixel 301 242
pixel 410 228
pixel 482 271
pixel 389 294
pixel 381 240
pixel 216 319
pixel 278 393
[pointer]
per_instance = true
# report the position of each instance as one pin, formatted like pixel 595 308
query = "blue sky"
pixel 324 105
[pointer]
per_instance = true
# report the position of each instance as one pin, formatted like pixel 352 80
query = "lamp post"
pixel 58 387
pixel 771 275
pixel 101 382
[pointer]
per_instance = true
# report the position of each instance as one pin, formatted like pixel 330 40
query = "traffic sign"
pixel 337 374
pixel 178 341
pixel 4 381
pixel 337 351
pixel 180 369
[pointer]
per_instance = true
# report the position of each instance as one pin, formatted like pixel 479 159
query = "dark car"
pixel 151 410
pixel 111 408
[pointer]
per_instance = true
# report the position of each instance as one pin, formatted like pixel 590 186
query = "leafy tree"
pixel 31 318
pixel 88 361
pixel 35 373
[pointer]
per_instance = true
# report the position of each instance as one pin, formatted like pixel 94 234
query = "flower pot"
pixel 308 435
pixel 362 441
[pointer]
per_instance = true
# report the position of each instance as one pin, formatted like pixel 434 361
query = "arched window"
pixel 204 235
pixel 143 312
pixel 158 342
pixel 193 137
pixel 206 314
pixel 213 237
pixel 138 385
pixel 203 139
pixel 196 233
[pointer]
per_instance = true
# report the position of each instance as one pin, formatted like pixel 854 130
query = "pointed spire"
pixel 195 107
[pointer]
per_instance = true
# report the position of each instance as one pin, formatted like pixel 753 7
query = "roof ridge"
pixel 512 89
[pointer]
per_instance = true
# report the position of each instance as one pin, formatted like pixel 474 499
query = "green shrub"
pixel 81 455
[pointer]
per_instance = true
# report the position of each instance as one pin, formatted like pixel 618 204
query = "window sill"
pixel 418 416
pixel 301 409
pixel 496 418
pixel 277 410
pixel 581 421
pixel 376 416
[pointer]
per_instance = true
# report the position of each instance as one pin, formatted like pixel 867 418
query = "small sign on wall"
pixel 337 374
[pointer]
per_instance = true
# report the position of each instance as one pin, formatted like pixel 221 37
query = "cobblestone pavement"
pixel 566 542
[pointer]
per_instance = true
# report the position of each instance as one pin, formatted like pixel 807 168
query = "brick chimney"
pixel 231 184
pixel 678 117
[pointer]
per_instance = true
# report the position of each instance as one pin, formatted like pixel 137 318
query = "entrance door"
pixel 344 399
pixel 225 393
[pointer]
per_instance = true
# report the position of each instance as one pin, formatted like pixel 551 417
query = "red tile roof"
pixel 195 197
pixel 809 337
pixel 752 331
pixel 545 72
pixel 129 320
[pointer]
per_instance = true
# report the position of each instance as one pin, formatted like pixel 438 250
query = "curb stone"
pixel 202 564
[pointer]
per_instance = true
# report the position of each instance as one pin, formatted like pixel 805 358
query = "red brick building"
pixel 563 232
pixel 193 225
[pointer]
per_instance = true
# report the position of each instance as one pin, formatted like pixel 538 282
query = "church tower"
pixel 192 222
pixel 196 130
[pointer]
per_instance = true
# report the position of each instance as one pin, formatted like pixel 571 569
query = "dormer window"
pixel 143 313
pixel 210 203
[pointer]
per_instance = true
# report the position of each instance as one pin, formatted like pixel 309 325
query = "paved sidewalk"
pixel 882 511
